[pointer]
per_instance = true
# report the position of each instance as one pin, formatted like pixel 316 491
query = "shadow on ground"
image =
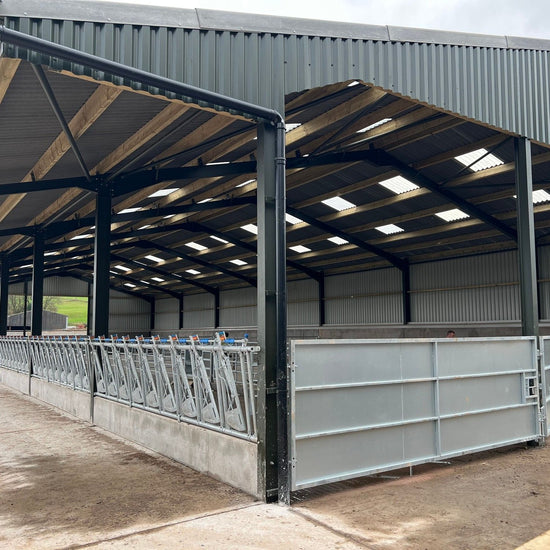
pixel 72 479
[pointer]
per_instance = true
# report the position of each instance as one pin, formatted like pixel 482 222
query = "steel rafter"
pixel 179 254
pixel 327 228
pixel 381 158
pixel 152 269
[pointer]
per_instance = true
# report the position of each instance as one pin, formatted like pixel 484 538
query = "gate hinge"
pixel 292 463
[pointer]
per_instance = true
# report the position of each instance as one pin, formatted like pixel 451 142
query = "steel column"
pixel 321 298
pixel 217 308
pixel 526 238
pixel 180 312
pixel 406 290
pixel 153 313
pixel 4 294
pixel 25 305
pixel 37 284
pixel 102 258
pixel 272 379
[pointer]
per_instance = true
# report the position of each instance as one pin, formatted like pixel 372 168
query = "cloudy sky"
pixel 501 17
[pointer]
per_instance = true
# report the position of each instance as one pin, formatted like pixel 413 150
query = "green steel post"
pixel 102 258
pixel 526 238
pixel 37 284
pixel 272 379
pixel 4 293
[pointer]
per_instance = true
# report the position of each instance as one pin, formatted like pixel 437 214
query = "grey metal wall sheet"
pixel 56 286
pixel 499 86
pixel 198 311
pixel 303 303
pixel 545 381
pixel 543 261
pixel 167 314
pixel 238 308
pixel 479 288
pixel 128 315
pixel 395 403
pixel 364 298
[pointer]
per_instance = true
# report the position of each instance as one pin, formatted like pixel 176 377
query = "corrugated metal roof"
pixel 501 81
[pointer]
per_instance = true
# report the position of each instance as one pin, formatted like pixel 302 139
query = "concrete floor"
pixel 65 484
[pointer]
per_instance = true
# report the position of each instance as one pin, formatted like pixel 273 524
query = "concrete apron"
pixel 229 459
pixel 66 484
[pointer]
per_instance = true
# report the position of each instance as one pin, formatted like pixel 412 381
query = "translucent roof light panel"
pixel 219 239
pixel 238 262
pixel 289 126
pixel 122 268
pixel 488 160
pixel 540 196
pixel 338 203
pixel 452 215
pixel 129 210
pixel 300 248
pixel 374 125
pixel 163 192
pixel 398 185
pixel 154 258
pixel 389 229
pixel 157 279
pixel 196 246
pixel 193 271
pixel 337 240
pixel 292 220
pixel 251 228
pixel 245 183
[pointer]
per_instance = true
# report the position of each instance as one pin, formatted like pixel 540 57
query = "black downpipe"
pixel 282 361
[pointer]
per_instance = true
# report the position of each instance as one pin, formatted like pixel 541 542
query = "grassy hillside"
pixel 75 308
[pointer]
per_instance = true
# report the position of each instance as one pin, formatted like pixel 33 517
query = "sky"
pixel 500 17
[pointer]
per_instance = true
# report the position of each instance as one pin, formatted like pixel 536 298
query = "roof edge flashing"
pixel 101 12
pixel 216 20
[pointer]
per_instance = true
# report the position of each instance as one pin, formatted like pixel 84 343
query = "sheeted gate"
pixel 366 406
pixel 545 380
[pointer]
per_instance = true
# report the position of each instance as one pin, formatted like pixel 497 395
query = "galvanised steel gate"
pixel 365 406
pixel 545 381
pixel 206 382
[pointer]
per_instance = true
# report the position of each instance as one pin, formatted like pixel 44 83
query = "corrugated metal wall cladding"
pixel 56 286
pixel 364 298
pixel 475 270
pixel 166 314
pixel 167 305
pixel 303 305
pixel 166 321
pixel 480 288
pixel 501 87
pixel 238 307
pixel 365 282
pixel 497 303
pixel 364 310
pixel 198 311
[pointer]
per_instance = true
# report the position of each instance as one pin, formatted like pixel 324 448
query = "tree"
pixel 16 304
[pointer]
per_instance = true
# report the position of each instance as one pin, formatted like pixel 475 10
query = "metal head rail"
pixel 200 381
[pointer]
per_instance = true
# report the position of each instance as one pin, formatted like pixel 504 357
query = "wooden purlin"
pixel 162 120
pixel 8 68
pixel 94 107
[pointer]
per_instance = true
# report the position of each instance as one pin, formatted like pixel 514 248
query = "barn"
pixel 276 222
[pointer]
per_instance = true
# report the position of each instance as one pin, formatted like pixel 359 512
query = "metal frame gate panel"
pixel 366 406
pixel 545 382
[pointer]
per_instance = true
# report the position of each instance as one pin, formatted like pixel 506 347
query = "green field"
pixel 75 308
